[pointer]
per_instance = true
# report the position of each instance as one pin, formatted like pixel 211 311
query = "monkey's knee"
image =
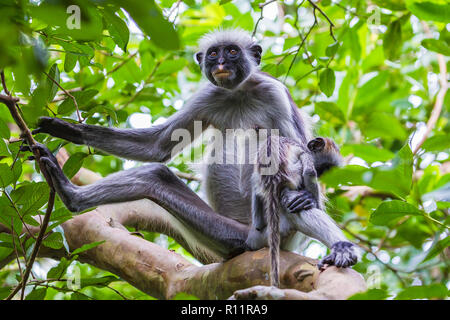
pixel 160 171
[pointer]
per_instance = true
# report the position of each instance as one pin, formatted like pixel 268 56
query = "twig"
pixel 18 213
pixel 439 98
pixel 261 6
pixel 177 5
pixel 187 176
pixel 10 102
pixel 15 247
pixel 326 17
pixel 369 250
pixel 137 93
pixel 120 65
pixel 68 94
pixel 301 44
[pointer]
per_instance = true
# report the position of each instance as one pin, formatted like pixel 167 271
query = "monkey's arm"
pixel 317 224
pixel 150 144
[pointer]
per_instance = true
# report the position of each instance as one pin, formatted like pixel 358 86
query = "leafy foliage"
pixel 370 85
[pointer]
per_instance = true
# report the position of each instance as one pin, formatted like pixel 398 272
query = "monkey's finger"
pixel 296 201
pixel 305 205
pixel 36 131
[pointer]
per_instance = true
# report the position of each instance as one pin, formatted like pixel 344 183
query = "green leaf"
pixel 52 87
pixel 98 282
pixel 70 61
pixel 4 130
pixel 331 50
pixel 432 291
pixel 4 151
pixel 327 82
pixel 383 125
pixel 367 152
pixel 389 211
pixel 54 241
pixel 87 247
pixel 329 110
pixel 31 197
pixel 429 10
pixel 438 46
pixel 4 291
pixel 58 271
pixel 170 66
pixel 37 294
pixel 6 175
pixel 74 164
pixel 392 41
pixel 117 28
pixel 184 296
pixel 437 248
pixel 395 179
pixel 79 296
pixel 150 19
pixel 440 142
pixel 82 98
pixel 372 294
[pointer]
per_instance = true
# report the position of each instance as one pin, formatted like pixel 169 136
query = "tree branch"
pixel 162 273
pixel 10 102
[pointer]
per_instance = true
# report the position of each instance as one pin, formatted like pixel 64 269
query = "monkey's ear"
pixel 256 51
pixel 199 57
pixel 316 144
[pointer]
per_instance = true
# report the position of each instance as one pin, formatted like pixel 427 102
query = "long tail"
pixel 274 235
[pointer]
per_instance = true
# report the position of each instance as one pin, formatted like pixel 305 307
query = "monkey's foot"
pixel 255 240
pixel 258 293
pixel 296 201
pixel 343 254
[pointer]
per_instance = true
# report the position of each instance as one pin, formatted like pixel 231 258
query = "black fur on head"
pixel 325 153
pixel 228 57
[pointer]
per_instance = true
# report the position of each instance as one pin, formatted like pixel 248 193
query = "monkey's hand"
pixel 60 129
pixel 343 254
pixel 296 201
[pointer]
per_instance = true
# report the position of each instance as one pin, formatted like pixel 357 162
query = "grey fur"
pixel 258 101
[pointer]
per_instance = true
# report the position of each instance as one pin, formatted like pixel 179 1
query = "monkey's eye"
pixel 233 52
pixel 213 54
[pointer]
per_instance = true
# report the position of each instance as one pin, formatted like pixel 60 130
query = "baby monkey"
pixel 296 168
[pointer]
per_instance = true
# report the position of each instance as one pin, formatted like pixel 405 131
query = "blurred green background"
pixel 371 84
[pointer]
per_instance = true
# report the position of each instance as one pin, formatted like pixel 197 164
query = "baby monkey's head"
pixel 325 153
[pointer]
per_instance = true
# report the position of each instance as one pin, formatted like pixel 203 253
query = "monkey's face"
pixel 227 65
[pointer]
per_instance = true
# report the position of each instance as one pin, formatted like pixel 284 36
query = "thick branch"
pixel 162 273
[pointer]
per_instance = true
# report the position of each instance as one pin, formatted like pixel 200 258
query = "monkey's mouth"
pixel 221 74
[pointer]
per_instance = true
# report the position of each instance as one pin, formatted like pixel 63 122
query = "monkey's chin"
pixel 221 77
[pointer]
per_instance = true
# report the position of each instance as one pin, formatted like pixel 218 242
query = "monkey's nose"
pixel 221 60
pixel 220 67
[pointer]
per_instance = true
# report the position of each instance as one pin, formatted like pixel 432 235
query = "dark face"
pixel 226 65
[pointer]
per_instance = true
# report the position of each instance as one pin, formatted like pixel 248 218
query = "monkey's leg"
pixel 317 224
pixel 256 236
pixel 158 183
